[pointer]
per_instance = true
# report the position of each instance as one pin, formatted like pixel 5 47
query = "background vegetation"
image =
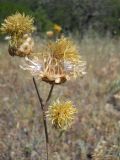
pixel 102 16
pixel 95 135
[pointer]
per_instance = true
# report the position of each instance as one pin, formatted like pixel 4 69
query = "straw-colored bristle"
pixel 17 24
pixel 65 49
pixel 62 114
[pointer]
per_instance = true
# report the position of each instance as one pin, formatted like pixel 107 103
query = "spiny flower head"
pixel 64 48
pixel 17 24
pixel 62 114
pixel 56 67
pixel 57 28
pixel 19 28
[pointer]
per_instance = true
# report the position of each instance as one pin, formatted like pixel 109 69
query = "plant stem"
pixel 50 93
pixel 44 118
pixel 43 112
pixel 39 97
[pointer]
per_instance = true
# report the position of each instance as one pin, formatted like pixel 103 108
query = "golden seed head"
pixel 57 28
pixel 62 114
pixel 17 24
pixel 64 49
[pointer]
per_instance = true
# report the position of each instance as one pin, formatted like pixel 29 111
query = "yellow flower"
pixel 57 28
pixel 56 64
pixel 17 24
pixel 62 114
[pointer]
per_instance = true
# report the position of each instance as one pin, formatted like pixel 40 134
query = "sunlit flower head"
pixel 17 24
pixel 64 48
pixel 62 114
pixel 19 28
pixel 57 28
pixel 57 63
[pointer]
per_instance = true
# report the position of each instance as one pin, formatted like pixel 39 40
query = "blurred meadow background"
pixel 95 27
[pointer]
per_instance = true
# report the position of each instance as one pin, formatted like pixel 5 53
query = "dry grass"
pixel 96 132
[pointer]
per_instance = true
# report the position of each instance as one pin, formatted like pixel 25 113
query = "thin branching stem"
pixel 43 112
pixel 50 93
pixel 44 118
pixel 39 97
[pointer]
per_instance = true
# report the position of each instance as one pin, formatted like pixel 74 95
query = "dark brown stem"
pixel 39 97
pixel 50 93
pixel 44 117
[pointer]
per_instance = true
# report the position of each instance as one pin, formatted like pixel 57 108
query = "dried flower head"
pixel 62 114
pixel 56 67
pixel 64 48
pixel 17 24
pixel 19 27
pixel 48 70
pixel 57 28
pixel 22 47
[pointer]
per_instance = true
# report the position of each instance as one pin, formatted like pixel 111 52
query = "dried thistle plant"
pixel 58 62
